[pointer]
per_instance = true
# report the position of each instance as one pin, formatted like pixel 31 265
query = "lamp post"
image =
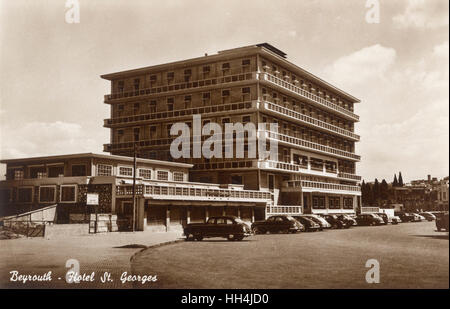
pixel 135 150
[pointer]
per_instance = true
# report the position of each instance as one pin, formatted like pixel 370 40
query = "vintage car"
pixel 229 227
pixel 277 224
pixel 396 220
pixel 319 220
pixel 442 221
pixel 335 222
pixel 417 217
pixel 405 216
pixel 385 217
pixel 369 219
pixel 428 216
pixel 349 221
pixel 309 224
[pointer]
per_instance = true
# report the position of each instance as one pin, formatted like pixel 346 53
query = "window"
pixel 136 84
pixel 136 108
pixel 136 133
pixel 153 78
pixel 153 132
pixel 334 203
pixel 38 172
pixel 187 101
pixel 104 170
pixel 47 194
pixel 121 85
pixel 170 75
pixel 145 173
pixel 121 108
pixel 162 175
pixel 236 179
pixel 78 170
pixel 153 106
pixel 348 203
pixel 206 98
pixel 68 194
pixel 206 69
pixel 178 176
pixel 246 119
pixel 245 90
pixel 318 202
pixel 170 102
pixel 56 171
pixel 225 66
pixel 246 62
pixel 125 171
pixel 25 195
pixel 18 174
pixel 225 93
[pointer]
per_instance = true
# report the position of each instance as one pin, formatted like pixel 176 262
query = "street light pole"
pixel 134 186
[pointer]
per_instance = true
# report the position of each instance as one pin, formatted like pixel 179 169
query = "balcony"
pixel 348 176
pixel 280 110
pixel 200 192
pixel 182 86
pixel 284 210
pixel 309 96
pixel 315 147
pixel 321 186
pixel 142 144
pixel 204 111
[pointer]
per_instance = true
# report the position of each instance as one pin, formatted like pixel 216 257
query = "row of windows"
pixel 45 172
pixel 107 170
pixel 318 202
pixel 284 74
pixel 185 75
pixel 46 194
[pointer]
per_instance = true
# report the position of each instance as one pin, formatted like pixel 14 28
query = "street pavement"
pixel 410 255
pixel 99 253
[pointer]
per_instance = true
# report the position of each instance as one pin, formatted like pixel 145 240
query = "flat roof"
pixel 96 155
pixel 261 47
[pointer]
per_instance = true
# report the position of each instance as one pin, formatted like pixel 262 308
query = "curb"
pixel 170 242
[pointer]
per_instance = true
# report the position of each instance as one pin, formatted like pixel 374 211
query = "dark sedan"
pixel 335 222
pixel 229 227
pixel 308 223
pixel 405 217
pixel 442 221
pixel 277 224
pixel 349 221
pixel 369 219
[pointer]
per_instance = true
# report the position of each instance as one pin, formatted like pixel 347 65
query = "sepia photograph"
pixel 207 147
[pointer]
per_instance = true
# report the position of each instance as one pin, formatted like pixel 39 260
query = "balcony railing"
pixel 349 176
pixel 284 210
pixel 309 120
pixel 176 191
pixel 305 94
pixel 182 86
pixel 141 143
pixel 320 185
pixel 311 145
pixel 182 112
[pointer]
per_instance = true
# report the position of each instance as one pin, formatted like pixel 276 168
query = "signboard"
pixel 92 199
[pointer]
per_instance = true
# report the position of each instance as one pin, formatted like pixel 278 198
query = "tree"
pixel 395 182
pixel 376 191
pixel 400 179
pixel 384 190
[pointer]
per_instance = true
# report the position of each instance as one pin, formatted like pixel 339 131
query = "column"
pixel 167 218
pixel 239 211
pixel 206 213
pixel 223 211
pixel 140 214
pixel 188 215
pixel 253 214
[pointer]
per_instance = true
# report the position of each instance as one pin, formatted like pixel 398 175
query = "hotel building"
pixel 316 167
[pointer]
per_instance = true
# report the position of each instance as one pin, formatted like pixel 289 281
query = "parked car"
pixel 335 222
pixel 229 227
pixel 417 217
pixel 349 221
pixel 396 220
pixel 319 220
pixel 428 216
pixel 277 224
pixel 442 221
pixel 385 217
pixel 308 223
pixel 369 219
pixel 405 216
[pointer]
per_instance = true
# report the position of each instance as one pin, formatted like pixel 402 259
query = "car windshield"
pixel 239 220
pixel 290 218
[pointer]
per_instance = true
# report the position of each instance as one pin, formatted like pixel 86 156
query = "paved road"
pixel 411 255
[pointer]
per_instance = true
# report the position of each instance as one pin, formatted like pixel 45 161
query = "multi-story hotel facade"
pixel 315 171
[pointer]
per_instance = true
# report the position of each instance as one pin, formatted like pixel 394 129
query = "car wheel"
pixel 199 237
pixel 231 237
pixel 189 237
pixel 239 238
pixel 256 230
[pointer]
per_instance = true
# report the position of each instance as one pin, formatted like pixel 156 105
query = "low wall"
pixel 64 230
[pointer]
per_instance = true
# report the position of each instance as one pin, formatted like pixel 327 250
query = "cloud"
pixel 361 66
pixel 43 138
pixel 441 51
pixel 429 14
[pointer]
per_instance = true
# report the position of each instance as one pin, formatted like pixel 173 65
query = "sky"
pixel 51 95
